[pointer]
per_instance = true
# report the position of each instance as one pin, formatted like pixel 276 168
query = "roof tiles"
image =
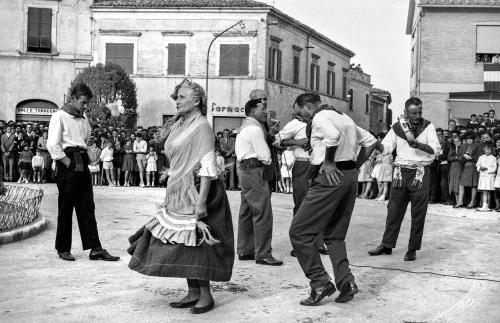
pixel 180 3
pixel 460 3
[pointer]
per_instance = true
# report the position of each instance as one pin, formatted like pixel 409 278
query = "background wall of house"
pixel 42 76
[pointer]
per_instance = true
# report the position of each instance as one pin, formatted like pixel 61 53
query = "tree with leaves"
pixel 115 95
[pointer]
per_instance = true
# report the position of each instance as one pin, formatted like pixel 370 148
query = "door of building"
pixel 35 111
pixel 221 123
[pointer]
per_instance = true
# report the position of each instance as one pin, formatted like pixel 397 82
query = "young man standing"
pixel 69 131
pixel 140 149
pixel 255 228
pixel 416 144
pixel 329 202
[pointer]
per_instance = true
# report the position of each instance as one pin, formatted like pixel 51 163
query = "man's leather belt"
pixel 346 165
pixel 72 150
pixel 250 163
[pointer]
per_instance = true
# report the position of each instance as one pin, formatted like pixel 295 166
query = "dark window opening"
pixel 39 30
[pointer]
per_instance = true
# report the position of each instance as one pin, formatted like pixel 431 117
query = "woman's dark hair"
pixel 80 89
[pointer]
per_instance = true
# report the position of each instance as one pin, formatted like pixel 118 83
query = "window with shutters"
pixel 367 103
pixel 176 59
pixel 39 30
pixel 314 75
pixel 296 64
pixel 351 99
pixel 274 62
pixel 344 86
pixel 121 54
pixel 330 79
pixel 234 59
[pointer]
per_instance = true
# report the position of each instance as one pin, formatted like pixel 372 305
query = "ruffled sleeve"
pixel 208 167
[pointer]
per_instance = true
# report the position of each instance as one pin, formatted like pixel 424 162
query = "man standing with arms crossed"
pixel 328 205
pixel 416 144
pixel 69 131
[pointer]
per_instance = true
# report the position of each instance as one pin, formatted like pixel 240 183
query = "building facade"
pixel 45 45
pixel 160 44
pixel 452 45
pixel 380 114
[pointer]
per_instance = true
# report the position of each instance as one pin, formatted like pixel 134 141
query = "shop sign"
pixel 35 110
pixel 227 110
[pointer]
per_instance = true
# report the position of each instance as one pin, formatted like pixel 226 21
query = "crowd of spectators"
pixel 131 157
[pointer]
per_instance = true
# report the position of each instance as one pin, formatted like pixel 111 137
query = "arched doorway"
pixel 35 110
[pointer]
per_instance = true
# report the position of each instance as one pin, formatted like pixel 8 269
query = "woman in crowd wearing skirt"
pixel 487 167
pixel 470 175
pixel 191 235
pixel 25 157
pixel 128 161
pixel 455 158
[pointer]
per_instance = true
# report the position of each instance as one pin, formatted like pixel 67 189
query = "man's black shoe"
pixel 411 255
pixel 246 257
pixel 66 255
pixel 183 304
pixel 323 250
pixel 316 295
pixel 102 254
pixel 380 250
pixel 270 261
pixel 347 292
pixel 201 310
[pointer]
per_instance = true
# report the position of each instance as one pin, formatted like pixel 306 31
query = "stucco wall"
pixel 41 76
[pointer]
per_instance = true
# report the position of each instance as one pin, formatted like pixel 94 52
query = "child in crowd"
pixel 367 176
pixel 24 164
pixel 151 167
pixel 94 158
pixel 287 161
pixel 38 164
pixel 128 161
pixel 117 161
pixel 107 162
pixel 487 166
pixel 382 173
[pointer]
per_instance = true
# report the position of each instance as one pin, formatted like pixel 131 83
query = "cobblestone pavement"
pixel 35 285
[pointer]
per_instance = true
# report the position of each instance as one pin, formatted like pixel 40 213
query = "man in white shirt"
pixel 69 131
pixel 255 228
pixel 140 149
pixel 416 144
pixel 294 135
pixel 329 202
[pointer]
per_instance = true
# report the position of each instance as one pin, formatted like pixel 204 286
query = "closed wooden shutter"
pixel 317 77
pixel 121 54
pixel 234 60
pixel 39 30
pixel 296 66
pixel 270 73
pixel 328 81
pixel 177 59
pixel 278 65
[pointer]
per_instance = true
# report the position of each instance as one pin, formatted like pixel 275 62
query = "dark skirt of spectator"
pixel 25 166
pixel 470 176
pixel 128 163
pixel 152 257
pixel 456 170
pixel 117 160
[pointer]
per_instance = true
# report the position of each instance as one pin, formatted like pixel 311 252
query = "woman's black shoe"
pixel 201 310
pixel 183 304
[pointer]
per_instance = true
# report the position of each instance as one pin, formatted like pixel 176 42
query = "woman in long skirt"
pixel 191 235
